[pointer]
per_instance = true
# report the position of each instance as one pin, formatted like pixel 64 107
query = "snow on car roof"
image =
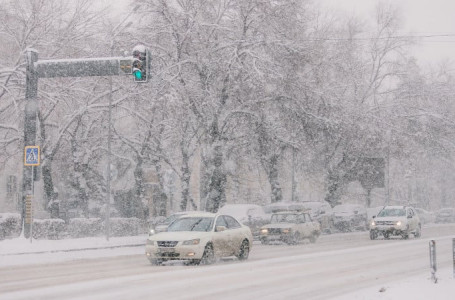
pixel 279 206
pixel 198 214
pixel 289 212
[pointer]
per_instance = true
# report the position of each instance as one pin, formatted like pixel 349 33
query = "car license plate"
pixel 166 250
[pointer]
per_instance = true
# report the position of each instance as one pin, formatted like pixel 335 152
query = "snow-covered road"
pixel 336 265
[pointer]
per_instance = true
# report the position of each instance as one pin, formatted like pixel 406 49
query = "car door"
pixel 303 225
pixel 221 237
pixel 412 219
pixel 235 233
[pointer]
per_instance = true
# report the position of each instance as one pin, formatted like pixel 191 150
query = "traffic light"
pixel 141 63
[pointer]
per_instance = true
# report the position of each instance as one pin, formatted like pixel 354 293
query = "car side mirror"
pixel 374 217
pixel 220 228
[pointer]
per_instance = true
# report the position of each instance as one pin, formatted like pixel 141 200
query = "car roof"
pixel 199 214
pixel 290 212
pixel 187 212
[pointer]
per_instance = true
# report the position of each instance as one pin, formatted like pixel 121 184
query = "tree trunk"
pixel 276 195
pixel 186 177
pixel 215 181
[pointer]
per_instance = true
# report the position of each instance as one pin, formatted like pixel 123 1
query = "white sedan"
pixel 200 239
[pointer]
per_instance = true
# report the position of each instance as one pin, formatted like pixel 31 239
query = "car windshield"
pixel 192 224
pixel 170 219
pixel 392 212
pixel 284 218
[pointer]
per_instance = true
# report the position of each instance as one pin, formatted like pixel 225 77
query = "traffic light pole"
pixel 105 66
pixel 31 108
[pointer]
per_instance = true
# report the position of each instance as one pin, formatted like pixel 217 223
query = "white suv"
pixel 396 220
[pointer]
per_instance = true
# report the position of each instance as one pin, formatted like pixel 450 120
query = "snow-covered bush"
pixel 10 225
pixel 126 226
pixel 83 227
pixel 51 229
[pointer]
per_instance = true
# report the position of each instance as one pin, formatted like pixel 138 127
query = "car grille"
pixel 168 254
pixel 385 223
pixel 274 231
pixel 167 243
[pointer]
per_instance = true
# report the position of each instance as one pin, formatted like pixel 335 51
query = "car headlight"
pixel 151 232
pixel 149 242
pixel 285 230
pixel 398 223
pixel 191 242
pixel 264 231
pixel 373 223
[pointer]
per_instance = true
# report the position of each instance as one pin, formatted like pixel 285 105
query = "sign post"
pixel 29 214
pixel 433 261
pixel 31 159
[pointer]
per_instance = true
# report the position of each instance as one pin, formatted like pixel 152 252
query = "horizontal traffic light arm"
pixel 104 66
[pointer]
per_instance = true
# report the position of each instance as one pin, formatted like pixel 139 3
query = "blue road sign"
pixel 32 156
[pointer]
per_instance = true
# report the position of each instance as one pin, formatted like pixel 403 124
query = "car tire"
pixel 386 235
pixel 208 257
pixel 244 251
pixel 373 235
pixel 295 238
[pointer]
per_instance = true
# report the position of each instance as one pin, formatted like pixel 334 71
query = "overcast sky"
pixel 434 18
pixel 420 17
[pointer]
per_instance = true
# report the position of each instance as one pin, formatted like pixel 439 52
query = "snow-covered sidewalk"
pixel 419 287
pixel 20 251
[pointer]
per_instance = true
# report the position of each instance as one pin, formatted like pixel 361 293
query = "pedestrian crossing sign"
pixel 32 156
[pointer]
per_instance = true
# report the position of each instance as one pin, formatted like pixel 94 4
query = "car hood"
pixel 178 235
pixel 278 225
pixel 394 219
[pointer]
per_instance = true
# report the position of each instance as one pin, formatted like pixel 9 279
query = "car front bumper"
pixel 174 253
pixel 283 237
pixel 388 229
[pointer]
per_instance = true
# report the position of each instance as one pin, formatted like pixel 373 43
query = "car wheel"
pixel 209 256
pixel 264 242
pixel 373 235
pixel 405 236
pixel 244 251
pixel 386 235
pixel 295 238
pixel 418 232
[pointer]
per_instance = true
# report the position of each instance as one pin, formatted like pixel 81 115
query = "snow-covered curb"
pixel 25 246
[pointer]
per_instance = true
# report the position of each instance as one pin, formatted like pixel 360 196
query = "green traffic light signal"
pixel 138 74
